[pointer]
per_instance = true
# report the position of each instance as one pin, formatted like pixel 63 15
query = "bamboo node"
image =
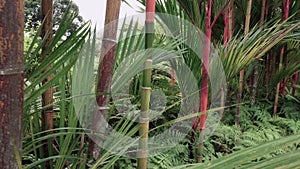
pixel 144 119
pixel 49 111
pixel 146 88
pixel 11 71
pixel 103 108
pixel 143 153
pixel 199 156
pixel 109 40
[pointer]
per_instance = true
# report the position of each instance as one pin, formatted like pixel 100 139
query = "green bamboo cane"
pixel 144 116
pixel 146 89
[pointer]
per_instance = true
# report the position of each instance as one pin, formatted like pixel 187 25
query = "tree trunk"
pixel 105 70
pixel 205 77
pixel 11 82
pixel 47 96
pixel 241 79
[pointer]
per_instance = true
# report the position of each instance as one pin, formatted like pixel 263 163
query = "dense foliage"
pixel 262 138
pixel 33 14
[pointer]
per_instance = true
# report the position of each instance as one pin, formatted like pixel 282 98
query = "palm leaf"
pixel 242 51
pixel 242 159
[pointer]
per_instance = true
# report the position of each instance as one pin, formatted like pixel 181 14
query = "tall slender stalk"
pixel 226 25
pixel 255 75
pixel 268 57
pixel 225 42
pixel 144 116
pixel 230 36
pixel 285 6
pixel 172 77
pixel 230 21
pixel 204 87
pixel 11 82
pixel 105 70
pixel 278 85
pixel 262 12
pixel 47 96
pixel 242 72
pixel 295 81
pixel 268 74
pixel 146 89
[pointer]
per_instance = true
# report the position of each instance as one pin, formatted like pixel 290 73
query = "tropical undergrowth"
pixel 69 139
pixel 257 126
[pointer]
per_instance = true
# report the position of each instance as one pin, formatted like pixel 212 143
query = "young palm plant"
pixel 70 149
pixel 60 60
pixel 241 51
pixel 244 158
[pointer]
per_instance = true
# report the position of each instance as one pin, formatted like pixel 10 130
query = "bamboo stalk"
pixel 286 9
pixel 255 75
pixel 226 25
pixel 105 70
pixel 276 100
pixel 230 21
pixel 173 77
pixel 225 42
pixel 295 81
pixel 144 116
pixel 268 57
pixel 11 82
pixel 146 89
pixel 263 12
pixel 230 36
pixel 242 72
pixel 47 96
pixel 149 23
pixel 205 77
pixel 47 9
pixel 268 75
pixel 280 88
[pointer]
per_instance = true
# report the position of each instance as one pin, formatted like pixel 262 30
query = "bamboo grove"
pixel 71 98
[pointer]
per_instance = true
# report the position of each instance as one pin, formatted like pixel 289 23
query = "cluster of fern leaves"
pixel 257 126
